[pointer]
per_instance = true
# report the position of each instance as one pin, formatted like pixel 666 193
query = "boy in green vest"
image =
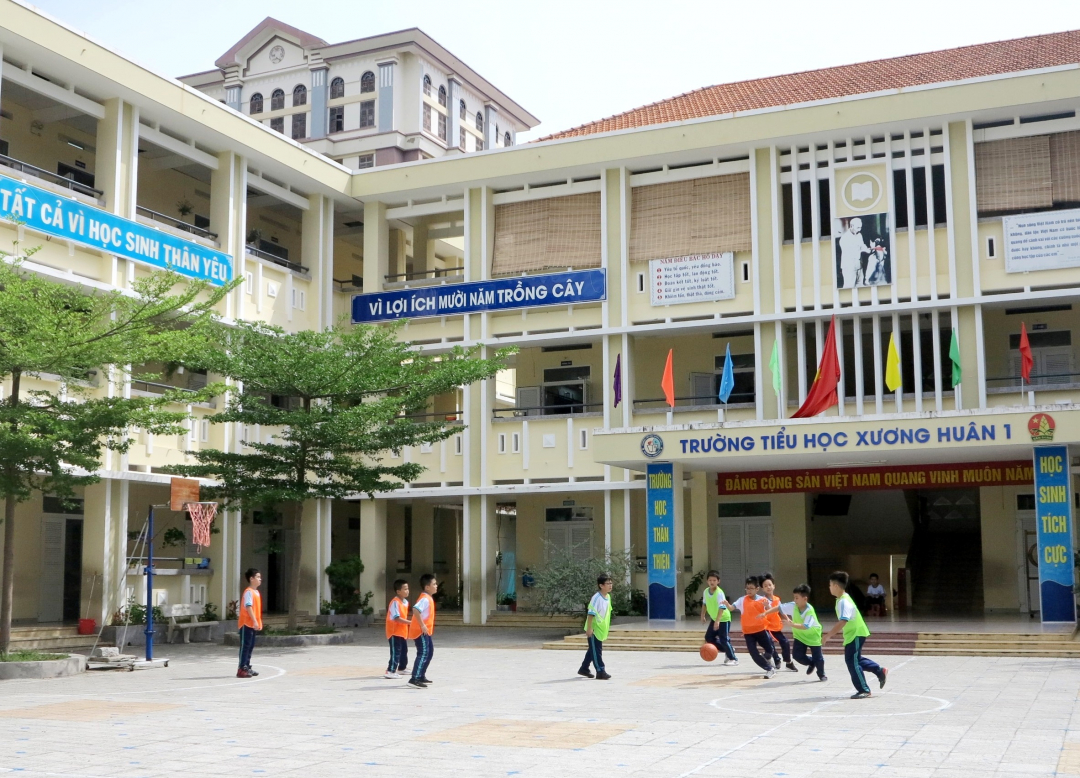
pixel 806 629
pixel 716 610
pixel 596 628
pixel 855 634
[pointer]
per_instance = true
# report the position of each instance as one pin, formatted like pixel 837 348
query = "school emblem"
pixel 1041 427
pixel 652 446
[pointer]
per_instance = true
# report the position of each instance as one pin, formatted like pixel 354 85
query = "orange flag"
pixel 667 383
pixel 822 394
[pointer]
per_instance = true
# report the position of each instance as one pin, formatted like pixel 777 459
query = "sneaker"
pixel 771 672
pixel 776 662
pixel 823 677
pixel 791 666
pixel 810 669
pixel 242 673
pixel 602 676
pixel 585 673
pixel 860 695
pixel 882 678
pixel 390 674
pixel 252 672
pixel 731 661
pixel 416 684
pixel 425 679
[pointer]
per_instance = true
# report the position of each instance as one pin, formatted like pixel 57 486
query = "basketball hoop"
pixel 202 516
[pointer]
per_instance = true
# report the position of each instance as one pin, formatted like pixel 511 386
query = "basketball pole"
pixel 150 582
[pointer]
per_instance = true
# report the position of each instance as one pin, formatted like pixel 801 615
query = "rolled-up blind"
pixel 1013 174
pixel 558 232
pixel 682 218
pixel 1065 166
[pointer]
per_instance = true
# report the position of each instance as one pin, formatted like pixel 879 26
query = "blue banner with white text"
pixel 504 294
pixel 660 514
pixel 68 219
pixel 1053 525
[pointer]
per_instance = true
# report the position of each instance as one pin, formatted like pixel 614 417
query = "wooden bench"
pixel 192 612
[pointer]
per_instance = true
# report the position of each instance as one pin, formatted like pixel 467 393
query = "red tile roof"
pixel 984 59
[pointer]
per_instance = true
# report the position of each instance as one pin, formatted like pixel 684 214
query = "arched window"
pixel 479 121
pixel 506 139
pixel 299 95
pixel 277 100
pixel 427 85
pixel 442 96
pixel 367 82
pixel 337 88
pixel 463 111
pixel 256 105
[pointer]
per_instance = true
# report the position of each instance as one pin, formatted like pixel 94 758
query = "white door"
pixel 746 548
pixel 573 535
pixel 51 594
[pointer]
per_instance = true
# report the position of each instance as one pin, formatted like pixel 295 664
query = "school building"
pixel 742 217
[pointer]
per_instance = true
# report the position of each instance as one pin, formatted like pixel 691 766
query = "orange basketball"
pixel 709 652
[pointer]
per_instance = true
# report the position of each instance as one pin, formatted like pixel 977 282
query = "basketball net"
pixel 202 516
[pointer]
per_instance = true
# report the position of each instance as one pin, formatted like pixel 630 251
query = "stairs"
pixel 511 620
pixel 51 638
pixel 947 573
pixel 281 620
pixel 996 644
pixel 896 643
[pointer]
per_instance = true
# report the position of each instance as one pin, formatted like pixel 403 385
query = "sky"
pixel 571 62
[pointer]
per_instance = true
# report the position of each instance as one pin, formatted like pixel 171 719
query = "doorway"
pixel 745 536
pixel 61 568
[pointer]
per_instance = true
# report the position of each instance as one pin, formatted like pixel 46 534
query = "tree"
pixel 567 581
pixel 339 400
pixel 53 440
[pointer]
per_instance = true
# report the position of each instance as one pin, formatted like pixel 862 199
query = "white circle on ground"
pixel 802 700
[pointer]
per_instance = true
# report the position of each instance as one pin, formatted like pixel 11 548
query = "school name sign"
pixel 67 219
pixel 570 288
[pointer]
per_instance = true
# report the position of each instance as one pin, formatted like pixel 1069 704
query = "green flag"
pixel 774 366
pixel 954 357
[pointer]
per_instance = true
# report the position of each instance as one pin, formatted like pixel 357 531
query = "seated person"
pixel 875 596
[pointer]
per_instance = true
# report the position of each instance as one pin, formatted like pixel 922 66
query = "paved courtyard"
pixel 500 706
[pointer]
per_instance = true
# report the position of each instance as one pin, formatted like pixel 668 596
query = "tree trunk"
pixel 294 564
pixel 8 592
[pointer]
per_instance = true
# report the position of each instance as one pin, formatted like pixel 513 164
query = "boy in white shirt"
pixel 875 595
pixel 806 630
pixel 596 628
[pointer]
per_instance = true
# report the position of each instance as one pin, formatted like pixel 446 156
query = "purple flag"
pixel 618 380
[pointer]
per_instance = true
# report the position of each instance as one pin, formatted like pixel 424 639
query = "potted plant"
pixel 508 602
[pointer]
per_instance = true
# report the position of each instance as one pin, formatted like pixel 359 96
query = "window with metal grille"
pixel 479 122
pixel 442 95
pixel 366 161
pixel 462 110
pixel 299 126
pixel 299 95
pixel 256 104
pixel 278 124
pixel 442 126
pixel 367 82
pixel 337 88
pixel 337 118
pixel 427 118
pixel 427 85
pixel 367 113
pixel 277 100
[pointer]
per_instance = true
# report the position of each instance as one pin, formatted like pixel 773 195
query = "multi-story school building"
pixel 742 216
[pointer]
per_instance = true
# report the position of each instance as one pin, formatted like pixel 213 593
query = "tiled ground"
pixel 498 707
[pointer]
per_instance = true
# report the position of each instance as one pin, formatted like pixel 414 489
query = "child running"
pixel 752 607
pixel 596 628
pixel 716 610
pixel 855 634
pixel 421 626
pixel 774 625
pixel 397 629
pixel 250 621
pixel 806 630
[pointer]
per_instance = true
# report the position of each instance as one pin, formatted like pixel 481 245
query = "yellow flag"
pixel 892 366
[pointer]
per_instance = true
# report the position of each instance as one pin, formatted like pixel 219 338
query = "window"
pixel 442 96
pixel 337 88
pixel 366 161
pixel 299 126
pixel 278 124
pixel 277 100
pixel 299 95
pixel 806 210
pixel 299 298
pixel 256 104
pixel 1052 355
pixel 462 110
pixel 367 113
pixel 918 178
pixel 506 139
pixel 427 117
pixel 337 118
pixel 442 126
pixel 479 144
pixel 479 122
pixel 569 529
pixel 427 85
pixel 515 442
pixel 461 138
pixel 502 442
pixel 743 370
pixel 249 282
pixel 204 430
pixel 367 82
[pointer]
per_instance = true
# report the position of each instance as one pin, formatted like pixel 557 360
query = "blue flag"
pixel 727 380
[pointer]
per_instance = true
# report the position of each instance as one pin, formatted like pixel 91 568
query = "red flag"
pixel 822 394
pixel 667 383
pixel 1026 360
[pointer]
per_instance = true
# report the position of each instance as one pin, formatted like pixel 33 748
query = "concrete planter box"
pixel 345 620
pixel 73 664
pixel 290 641
pixel 218 633
pixel 133 635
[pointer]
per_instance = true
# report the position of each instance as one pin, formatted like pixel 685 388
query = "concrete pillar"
pixel 373 551
pixel 228 218
pixel 699 521
pixel 491 117
pixel 385 119
pixel 376 246
pixel 398 264
pixel 423 248
pixel 315 544
pixel 473 562
pixel 319 95
pixel 233 88
pixel 317 254
pixel 453 113
pixel 104 550
pixel 116 171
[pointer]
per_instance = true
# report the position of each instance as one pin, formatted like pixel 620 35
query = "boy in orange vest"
pixel 397 629
pixel 250 621
pixel 421 626
pixel 752 608
pixel 774 625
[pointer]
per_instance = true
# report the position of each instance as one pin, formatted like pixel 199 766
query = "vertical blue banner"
pixel 660 513
pixel 1053 524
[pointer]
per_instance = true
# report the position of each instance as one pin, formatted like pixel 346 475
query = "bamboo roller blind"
pixel 558 232
pixel 1065 166
pixel 701 216
pixel 1013 174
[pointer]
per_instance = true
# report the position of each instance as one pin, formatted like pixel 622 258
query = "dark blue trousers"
pixel 595 655
pixel 424 649
pixel 858 665
pixel 399 654
pixel 817 659
pixel 247 644
pixel 785 647
pixel 721 638
pixel 756 640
